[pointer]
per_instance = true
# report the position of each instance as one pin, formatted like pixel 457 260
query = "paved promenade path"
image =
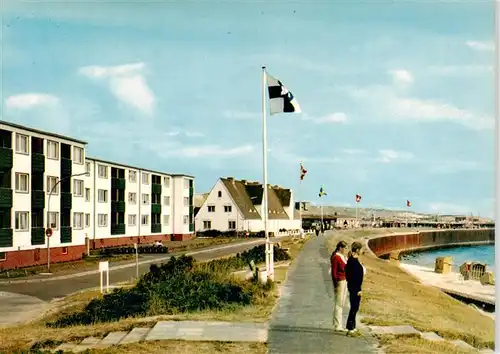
pixel 302 321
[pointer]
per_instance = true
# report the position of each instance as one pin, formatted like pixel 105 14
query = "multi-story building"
pixel 46 181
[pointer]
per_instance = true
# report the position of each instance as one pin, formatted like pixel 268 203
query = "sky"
pixel 396 97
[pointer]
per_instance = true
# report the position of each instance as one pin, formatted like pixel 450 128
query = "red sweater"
pixel 338 268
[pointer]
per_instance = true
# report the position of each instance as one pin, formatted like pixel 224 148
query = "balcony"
pixel 37 162
pixel 156 188
pixel 117 206
pixel 37 200
pixel 191 227
pixel 191 210
pixel 6 239
pixel 191 191
pixel 118 183
pixel 37 235
pixel 5 198
pixel 118 229
pixel 66 234
pixel 155 208
pixel 155 228
pixel 6 160
pixel 66 200
pixel 66 167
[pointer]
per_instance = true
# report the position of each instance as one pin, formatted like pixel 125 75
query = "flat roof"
pixel 139 168
pixel 18 126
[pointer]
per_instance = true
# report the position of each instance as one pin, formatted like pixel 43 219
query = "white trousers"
pixel 340 292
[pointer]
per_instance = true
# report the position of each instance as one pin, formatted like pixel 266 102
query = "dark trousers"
pixel 354 299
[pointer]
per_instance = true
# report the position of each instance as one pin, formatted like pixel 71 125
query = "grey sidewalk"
pixel 302 321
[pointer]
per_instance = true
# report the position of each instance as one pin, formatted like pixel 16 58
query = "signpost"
pixel 104 268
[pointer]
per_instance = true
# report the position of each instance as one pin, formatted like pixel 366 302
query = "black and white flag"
pixel 280 99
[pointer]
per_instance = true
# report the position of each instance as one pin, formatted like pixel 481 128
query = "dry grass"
pixel 178 347
pixel 25 336
pixel 406 345
pixel 393 297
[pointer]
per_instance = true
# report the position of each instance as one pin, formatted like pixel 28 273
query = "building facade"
pixel 47 180
pixel 237 205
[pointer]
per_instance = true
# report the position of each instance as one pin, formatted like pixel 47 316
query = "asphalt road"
pixel 49 289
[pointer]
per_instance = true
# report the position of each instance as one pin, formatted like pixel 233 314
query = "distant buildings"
pixel 107 204
pixel 237 205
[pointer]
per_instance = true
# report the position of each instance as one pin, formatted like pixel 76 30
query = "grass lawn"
pixel 393 297
pixel 19 338
pixel 89 263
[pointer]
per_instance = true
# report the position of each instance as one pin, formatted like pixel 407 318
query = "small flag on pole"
pixel 358 198
pixel 322 192
pixel 280 99
pixel 303 172
pixel 408 203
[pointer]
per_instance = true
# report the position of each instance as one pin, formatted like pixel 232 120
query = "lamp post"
pixel 49 226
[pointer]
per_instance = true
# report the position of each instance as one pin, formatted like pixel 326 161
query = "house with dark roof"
pixel 237 205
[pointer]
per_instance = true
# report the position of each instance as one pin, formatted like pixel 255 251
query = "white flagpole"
pixel 269 248
pixel 357 221
pixel 321 217
pixel 298 197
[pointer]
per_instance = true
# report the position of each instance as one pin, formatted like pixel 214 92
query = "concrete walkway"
pixel 302 321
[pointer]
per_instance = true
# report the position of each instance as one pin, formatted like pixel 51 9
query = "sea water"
pixel 482 254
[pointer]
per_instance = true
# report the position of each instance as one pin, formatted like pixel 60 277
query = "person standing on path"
pixel 354 272
pixel 338 264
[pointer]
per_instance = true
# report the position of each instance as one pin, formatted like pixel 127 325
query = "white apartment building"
pixel 47 180
pixel 237 205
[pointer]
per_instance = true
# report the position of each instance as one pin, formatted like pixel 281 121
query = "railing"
pixel 66 200
pixel 118 229
pixel 156 188
pixel 38 199
pixel 5 198
pixel 66 167
pixel 37 235
pixel 117 206
pixel 66 234
pixel 155 208
pixel 118 183
pixel 6 159
pixel 6 239
pixel 37 162
pixel 155 228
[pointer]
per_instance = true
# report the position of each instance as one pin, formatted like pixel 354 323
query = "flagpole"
pixel 269 249
pixel 357 221
pixel 298 197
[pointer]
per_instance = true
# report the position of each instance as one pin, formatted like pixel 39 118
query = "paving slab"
pixel 87 343
pixel 112 338
pixel 432 336
pixel 163 330
pixel 404 330
pixel 461 344
pixel 135 335
pixel 235 332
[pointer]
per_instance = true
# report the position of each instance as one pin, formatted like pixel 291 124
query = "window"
pixel 78 221
pixel 87 220
pixel 87 194
pixel 145 178
pixel 22 182
pixel 53 220
pixel 145 198
pixel 52 150
pixel 132 219
pixel 145 220
pixel 132 198
pixel 166 200
pixel 166 220
pixel 102 171
pixel 211 208
pixel 87 167
pixel 186 183
pixel 22 221
pixel 102 220
pixel 22 144
pixel 102 195
pixel 78 188
pixel 232 225
pixel 156 219
pixel 219 194
pixel 78 155
pixel 227 208
pixel 51 183
pixel 132 176
pixel 186 219
pixel 65 250
pixel 186 201
pixel 207 224
pixel 166 181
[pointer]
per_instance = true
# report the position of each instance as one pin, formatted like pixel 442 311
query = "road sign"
pixel 48 232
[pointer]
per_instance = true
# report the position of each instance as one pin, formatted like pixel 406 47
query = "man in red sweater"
pixel 338 262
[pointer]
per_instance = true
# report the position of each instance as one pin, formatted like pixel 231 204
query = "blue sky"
pixel 397 98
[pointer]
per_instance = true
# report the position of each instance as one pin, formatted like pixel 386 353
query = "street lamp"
pixel 49 226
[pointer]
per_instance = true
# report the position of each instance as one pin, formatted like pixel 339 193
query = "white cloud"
pixel 389 156
pixel 401 76
pixel 398 108
pixel 30 100
pixel 338 117
pixel 126 82
pixel 481 45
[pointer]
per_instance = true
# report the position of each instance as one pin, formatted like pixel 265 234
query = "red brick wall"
pixel 27 258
